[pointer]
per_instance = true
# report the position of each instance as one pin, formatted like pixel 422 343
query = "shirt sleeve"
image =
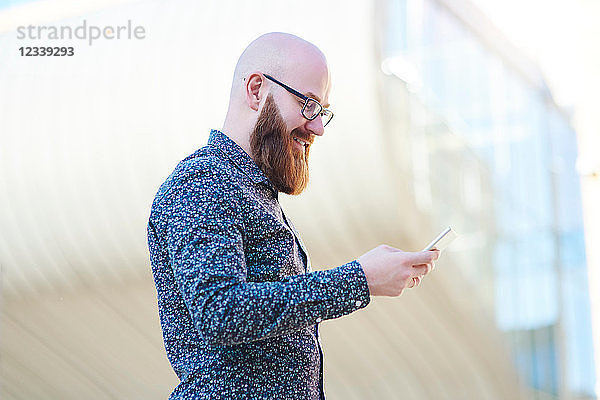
pixel 204 237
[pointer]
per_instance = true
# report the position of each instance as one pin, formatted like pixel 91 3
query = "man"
pixel 239 305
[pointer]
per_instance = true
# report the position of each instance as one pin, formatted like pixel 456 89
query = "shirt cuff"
pixel 348 291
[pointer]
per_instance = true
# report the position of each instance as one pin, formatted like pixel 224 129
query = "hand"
pixel 389 270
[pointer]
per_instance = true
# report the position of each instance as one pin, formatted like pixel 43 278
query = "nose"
pixel 316 126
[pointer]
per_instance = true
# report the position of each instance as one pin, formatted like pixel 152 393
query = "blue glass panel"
pixel 10 3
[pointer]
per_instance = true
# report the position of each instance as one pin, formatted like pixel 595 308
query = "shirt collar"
pixel 239 157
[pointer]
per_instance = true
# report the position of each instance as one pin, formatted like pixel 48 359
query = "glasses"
pixel 312 108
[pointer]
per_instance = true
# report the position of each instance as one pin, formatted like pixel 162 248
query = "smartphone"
pixel 442 240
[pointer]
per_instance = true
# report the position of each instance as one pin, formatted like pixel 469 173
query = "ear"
pixel 254 90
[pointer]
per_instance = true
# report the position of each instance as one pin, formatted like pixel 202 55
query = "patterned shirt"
pixel 238 303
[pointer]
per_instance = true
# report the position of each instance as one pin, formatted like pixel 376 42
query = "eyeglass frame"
pixel 303 97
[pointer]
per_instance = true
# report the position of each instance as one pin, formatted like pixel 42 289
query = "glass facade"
pixel 10 3
pixel 499 165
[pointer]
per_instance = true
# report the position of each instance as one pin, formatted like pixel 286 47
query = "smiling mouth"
pixel 301 142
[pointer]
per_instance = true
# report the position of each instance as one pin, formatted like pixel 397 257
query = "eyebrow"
pixel 317 98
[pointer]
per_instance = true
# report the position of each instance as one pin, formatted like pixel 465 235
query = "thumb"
pixel 422 257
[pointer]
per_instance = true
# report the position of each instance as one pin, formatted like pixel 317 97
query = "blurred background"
pixel 478 114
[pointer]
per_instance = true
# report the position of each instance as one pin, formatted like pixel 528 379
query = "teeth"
pixel 302 142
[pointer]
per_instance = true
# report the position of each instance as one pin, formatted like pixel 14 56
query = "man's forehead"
pixel 313 83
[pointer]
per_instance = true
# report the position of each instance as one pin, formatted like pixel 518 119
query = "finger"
pixel 421 269
pixel 422 257
pixel 416 281
pixel 438 256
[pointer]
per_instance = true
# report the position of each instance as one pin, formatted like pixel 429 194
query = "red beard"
pixel 274 152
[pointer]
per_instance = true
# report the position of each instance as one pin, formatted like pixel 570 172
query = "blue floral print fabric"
pixel 238 302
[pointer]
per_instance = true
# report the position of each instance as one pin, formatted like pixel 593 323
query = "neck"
pixel 239 135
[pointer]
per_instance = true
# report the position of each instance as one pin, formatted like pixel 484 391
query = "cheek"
pixel 292 115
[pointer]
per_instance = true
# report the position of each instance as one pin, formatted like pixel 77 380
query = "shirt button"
pixel 319 320
pixel 358 303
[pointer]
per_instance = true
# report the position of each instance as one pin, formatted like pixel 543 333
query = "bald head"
pixel 278 54
pixel 289 59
